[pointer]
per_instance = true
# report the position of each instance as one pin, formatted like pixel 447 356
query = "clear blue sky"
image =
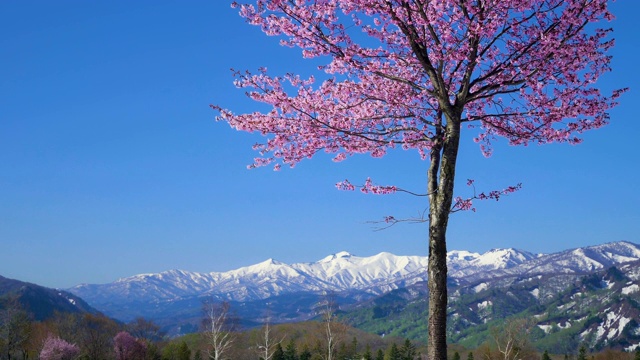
pixel 111 163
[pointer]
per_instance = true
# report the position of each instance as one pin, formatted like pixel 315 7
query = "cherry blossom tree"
pixel 420 75
pixel 55 348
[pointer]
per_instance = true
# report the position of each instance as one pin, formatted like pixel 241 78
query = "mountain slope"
pixel 41 302
pixel 565 309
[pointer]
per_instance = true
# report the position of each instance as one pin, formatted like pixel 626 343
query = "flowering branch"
pixel 370 188
pixel 460 204
pixel 467 204
pixel 390 220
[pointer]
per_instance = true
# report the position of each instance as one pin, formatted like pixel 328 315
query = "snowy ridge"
pixel 575 261
pixel 338 272
pixel 463 263
pixel 344 272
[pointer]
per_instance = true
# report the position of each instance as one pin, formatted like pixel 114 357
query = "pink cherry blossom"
pixel 422 75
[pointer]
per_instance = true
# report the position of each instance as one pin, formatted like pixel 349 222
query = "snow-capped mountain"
pixel 158 295
pixel 575 261
pixel 464 263
pixel 338 272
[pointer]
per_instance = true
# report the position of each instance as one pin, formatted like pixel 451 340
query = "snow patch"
pixel 461 255
pixel 480 287
pixel 566 306
pixel 535 292
pixel 485 304
pixel 545 328
pixel 608 326
pixel 622 322
pixel 566 325
pixel 502 258
pixel 600 332
pixel 584 334
pixel 630 289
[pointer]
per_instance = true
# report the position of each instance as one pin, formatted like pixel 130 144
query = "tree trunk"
pixel 440 179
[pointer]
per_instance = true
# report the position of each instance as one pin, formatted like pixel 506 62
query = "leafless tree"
pixel 96 335
pixel 15 328
pixel 333 329
pixel 141 328
pixel 268 343
pixel 218 329
pixel 512 339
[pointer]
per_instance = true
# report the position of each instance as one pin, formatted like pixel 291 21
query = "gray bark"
pixel 440 177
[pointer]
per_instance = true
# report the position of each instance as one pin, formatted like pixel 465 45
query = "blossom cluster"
pixel 368 187
pixel 55 348
pixel 399 73
pixel 462 204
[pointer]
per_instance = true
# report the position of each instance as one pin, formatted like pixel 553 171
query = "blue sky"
pixel 111 163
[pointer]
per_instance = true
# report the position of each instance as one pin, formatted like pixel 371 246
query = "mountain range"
pixel 343 271
pixel 291 292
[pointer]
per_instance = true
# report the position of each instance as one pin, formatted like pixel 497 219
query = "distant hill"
pixel 41 302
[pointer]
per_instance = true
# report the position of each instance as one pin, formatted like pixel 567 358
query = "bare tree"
pixel 217 329
pixel 142 328
pixel 512 339
pixel 96 335
pixel 15 328
pixel 332 328
pixel 268 343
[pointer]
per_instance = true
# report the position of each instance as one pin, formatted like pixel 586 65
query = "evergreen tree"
pixel 354 346
pixel 305 354
pixel 409 352
pixel 380 355
pixel 197 355
pixel 170 351
pixel 582 353
pixel 318 348
pixel 456 356
pixel 470 356
pixel 566 357
pixel 343 352
pixel 153 351
pixel 290 352
pixel 367 353
pixel 183 351
pixel 393 353
pixel 637 357
pixel 279 353
pixel 546 356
